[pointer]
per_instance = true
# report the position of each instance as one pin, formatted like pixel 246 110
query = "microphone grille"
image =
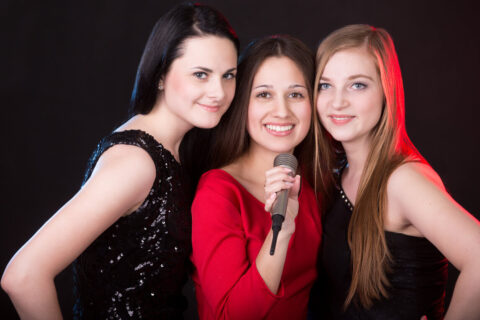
pixel 287 160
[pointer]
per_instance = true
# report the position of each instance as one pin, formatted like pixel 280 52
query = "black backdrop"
pixel 69 66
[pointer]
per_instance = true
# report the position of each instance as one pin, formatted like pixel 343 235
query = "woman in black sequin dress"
pixel 391 219
pixel 128 228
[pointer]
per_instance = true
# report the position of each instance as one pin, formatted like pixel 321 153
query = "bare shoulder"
pixel 127 160
pixel 123 172
pixel 412 176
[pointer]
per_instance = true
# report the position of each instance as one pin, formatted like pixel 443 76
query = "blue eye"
pixel 359 85
pixel 323 86
pixel 200 75
pixel 229 75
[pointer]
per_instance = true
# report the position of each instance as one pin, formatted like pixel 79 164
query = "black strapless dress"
pixel 418 278
pixel 136 269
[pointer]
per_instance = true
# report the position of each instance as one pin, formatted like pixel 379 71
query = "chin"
pixel 207 123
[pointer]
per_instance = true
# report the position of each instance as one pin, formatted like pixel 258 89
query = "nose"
pixel 216 90
pixel 339 100
pixel 281 108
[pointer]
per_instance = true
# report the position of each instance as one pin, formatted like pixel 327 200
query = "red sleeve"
pixel 229 284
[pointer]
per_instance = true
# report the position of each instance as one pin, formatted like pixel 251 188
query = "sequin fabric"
pixel 136 269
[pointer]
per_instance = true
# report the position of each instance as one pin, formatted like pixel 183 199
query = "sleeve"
pixel 231 284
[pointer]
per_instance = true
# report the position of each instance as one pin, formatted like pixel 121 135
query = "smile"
pixel 341 119
pixel 279 129
pixel 209 107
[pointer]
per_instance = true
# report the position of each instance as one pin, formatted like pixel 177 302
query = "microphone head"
pixel 286 160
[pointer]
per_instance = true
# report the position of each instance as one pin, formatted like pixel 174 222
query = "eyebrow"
pixel 210 70
pixel 354 76
pixel 269 86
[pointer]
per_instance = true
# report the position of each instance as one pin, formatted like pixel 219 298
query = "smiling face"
pixel 350 97
pixel 279 110
pixel 200 84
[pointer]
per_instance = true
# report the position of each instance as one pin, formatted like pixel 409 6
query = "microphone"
pixel 280 205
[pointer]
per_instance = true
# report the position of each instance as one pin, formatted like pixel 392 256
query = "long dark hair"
pixel 164 46
pixel 204 149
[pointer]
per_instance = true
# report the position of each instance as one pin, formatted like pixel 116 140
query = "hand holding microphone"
pixel 281 191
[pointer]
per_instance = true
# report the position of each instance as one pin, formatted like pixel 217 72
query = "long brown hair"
pixel 230 139
pixel 390 147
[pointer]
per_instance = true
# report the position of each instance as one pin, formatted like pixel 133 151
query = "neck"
pixel 253 165
pixel 165 126
pixel 357 154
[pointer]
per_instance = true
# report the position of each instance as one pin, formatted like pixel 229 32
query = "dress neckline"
pixel 241 187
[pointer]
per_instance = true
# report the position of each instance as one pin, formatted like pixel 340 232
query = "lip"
pixel 340 119
pixel 279 129
pixel 209 108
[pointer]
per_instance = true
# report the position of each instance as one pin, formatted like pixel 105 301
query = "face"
pixel 279 110
pixel 350 96
pixel 200 84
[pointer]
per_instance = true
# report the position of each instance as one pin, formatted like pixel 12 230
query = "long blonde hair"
pixel 390 147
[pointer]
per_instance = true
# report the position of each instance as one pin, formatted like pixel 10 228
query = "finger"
pixel 277 169
pixel 278 186
pixel 293 192
pixel 279 176
pixel 423 318
pixel 269 202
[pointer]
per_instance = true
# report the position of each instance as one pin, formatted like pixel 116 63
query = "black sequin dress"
pixel 418 277
pixel 136 269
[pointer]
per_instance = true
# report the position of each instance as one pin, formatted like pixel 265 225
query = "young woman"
pixel 235 276
pixel 129 226
pixel 391 222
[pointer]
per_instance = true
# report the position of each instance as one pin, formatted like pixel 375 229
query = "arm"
pixel 120 181
pixel 416 192
pixel 234 284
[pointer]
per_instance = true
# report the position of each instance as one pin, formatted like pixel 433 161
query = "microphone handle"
pixel 278 215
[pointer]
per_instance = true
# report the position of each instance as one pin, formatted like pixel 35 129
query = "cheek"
pixel 306 114
pixel 254 117
pixel 183 87
pixel 320 105
pixel 376 108
pixel 230 91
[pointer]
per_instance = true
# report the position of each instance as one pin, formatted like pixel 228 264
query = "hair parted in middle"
pixel 230 139
pixel 390 147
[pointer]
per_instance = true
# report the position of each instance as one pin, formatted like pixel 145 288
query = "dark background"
pixel 68 69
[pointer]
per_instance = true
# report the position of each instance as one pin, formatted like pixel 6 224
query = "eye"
pixel 323 86
pixel 296 95
pixel 200 75
pixel 263 94
pixel 229 75
pixel 359 86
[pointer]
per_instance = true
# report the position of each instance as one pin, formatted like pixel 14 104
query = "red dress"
pixel 229 226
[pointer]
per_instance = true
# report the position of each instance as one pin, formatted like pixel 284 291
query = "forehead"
pixel 207 50
pixel 278 71
pixel 350 62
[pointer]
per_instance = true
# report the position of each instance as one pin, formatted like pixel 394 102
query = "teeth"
pixel 279 128
pixel 342 118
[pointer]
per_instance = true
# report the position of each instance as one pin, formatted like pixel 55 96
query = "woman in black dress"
pixel 391 221
pixel 129 225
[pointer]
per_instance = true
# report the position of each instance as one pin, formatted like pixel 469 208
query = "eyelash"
pixel 200 75
pixel 263 94
pixel 321 86
pixel 356 86
pixel 229 76
pixel 359 85
pixel 203 75
pixel 296 95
